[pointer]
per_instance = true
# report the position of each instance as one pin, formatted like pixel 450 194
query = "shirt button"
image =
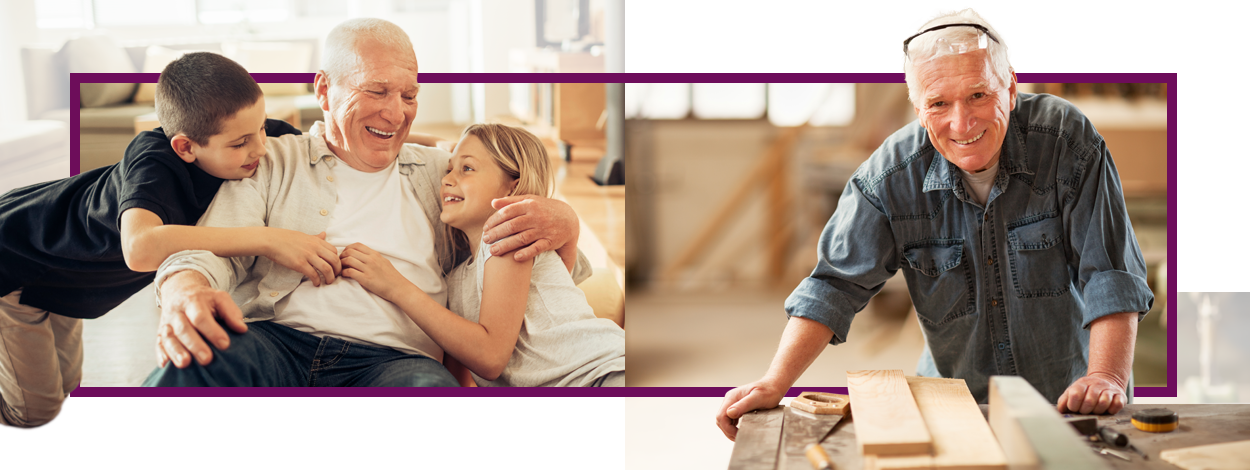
pixel 990 261
pixel 987 216
pixel 273 294
pixel 1002 345
pixel 324 212
pixel 330 178
pixel 994 302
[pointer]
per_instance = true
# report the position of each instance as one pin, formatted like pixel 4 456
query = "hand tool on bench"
pixel 809 419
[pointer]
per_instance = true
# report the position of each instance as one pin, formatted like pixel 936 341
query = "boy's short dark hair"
pixel 198 91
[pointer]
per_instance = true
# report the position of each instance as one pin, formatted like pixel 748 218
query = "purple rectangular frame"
pixel 1168 78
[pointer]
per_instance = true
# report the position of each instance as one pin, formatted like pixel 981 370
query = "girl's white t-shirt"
pixel 561 343
pixel 380 210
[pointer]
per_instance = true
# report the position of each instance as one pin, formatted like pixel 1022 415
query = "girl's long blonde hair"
pixel 521 156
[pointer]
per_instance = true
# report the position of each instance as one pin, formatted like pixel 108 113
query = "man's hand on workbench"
pixel 759 395
pixel 1093 394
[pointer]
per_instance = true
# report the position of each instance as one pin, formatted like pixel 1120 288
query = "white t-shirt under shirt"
pixel 979 184
pixel 381 211
pixel 561 343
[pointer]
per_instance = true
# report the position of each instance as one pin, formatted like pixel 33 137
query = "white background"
pixel 1205 46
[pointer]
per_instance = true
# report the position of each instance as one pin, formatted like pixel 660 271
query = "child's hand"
pixel 310 255
pixel 373 271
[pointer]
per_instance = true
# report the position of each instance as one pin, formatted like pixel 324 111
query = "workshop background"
pixel 731 185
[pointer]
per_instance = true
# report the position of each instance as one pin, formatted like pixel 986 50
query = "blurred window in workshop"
pixel 657 100
pixel 818 104
pixel 729 100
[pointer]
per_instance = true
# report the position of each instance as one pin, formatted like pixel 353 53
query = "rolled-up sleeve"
pixel 856 256
pixel 238 203
pixel 1111 271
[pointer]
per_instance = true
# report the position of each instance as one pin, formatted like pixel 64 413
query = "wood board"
pixel 886 416
pixel 758 440
pixel 1226 456
pixel 962 439
pixel 1030 430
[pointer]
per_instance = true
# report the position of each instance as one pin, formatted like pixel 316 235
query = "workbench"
pixel 1199 425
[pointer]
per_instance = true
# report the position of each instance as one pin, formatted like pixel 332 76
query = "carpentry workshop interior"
pixel 731 185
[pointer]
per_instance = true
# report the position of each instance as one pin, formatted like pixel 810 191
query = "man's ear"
pixel 321 87
pixel 1012 90
pixel 182 146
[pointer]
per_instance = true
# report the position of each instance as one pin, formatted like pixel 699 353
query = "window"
pixel 420 5
pixel 784 104
pixel 315 8
pixel 239 11
pixel 88 14
pixel 63 14
pixel 143 12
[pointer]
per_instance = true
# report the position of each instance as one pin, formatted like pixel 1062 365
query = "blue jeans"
pixel 272 355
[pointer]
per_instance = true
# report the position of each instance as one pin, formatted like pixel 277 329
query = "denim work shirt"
pixel 1008 288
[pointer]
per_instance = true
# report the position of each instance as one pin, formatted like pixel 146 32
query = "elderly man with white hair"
pixel 353 178
pixel 1004 211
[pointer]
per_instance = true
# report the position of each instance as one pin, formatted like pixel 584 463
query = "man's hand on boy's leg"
pixel 530 225
pixel 190 310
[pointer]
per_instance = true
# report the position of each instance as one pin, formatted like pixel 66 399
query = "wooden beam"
pixel 962 439
pixel 758 440
pixel 1229 455
pixel 887 421
pixel 763 171
pixel 1032 433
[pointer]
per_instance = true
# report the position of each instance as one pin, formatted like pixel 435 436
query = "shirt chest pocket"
pixel 939 284
pixel 1039 266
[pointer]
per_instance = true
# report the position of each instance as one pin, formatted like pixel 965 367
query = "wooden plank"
pixel 886 416
pixel 1229 455
pixel 962 439
pixel 758 440
pixel 1031 432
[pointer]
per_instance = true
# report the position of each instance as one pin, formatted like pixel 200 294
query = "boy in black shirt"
pixel 76 248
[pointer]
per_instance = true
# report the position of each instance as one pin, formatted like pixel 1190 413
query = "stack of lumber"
pixel 926 423
pixel 920 423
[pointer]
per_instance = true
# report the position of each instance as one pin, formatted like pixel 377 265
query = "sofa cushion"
pixel 47 81
pixel 99 54
pixel 273 57
pixel 119 118
pixel 18 140
pixel 154 63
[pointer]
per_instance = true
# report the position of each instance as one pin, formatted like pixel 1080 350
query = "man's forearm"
pixel 1111 341
pixel 801 343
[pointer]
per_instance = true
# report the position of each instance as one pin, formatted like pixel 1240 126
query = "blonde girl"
pixel 521 323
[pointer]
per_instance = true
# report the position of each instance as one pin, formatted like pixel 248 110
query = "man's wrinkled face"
pixel 372 107
pixel 964 108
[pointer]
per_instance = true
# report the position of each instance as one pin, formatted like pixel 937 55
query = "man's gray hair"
pixel 340 56
pixel 926 47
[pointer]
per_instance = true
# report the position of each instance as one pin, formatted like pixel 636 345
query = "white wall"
pixel 506 24
pixel 17 21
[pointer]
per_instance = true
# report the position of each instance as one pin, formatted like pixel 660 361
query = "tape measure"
pixel 1156 420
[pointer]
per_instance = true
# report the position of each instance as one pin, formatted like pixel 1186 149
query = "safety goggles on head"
pixel 944 46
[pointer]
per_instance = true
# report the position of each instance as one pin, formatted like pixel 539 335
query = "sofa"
pixel 106 129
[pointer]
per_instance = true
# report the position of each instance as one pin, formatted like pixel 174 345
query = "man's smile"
pixel 969 141
pixel 380 133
